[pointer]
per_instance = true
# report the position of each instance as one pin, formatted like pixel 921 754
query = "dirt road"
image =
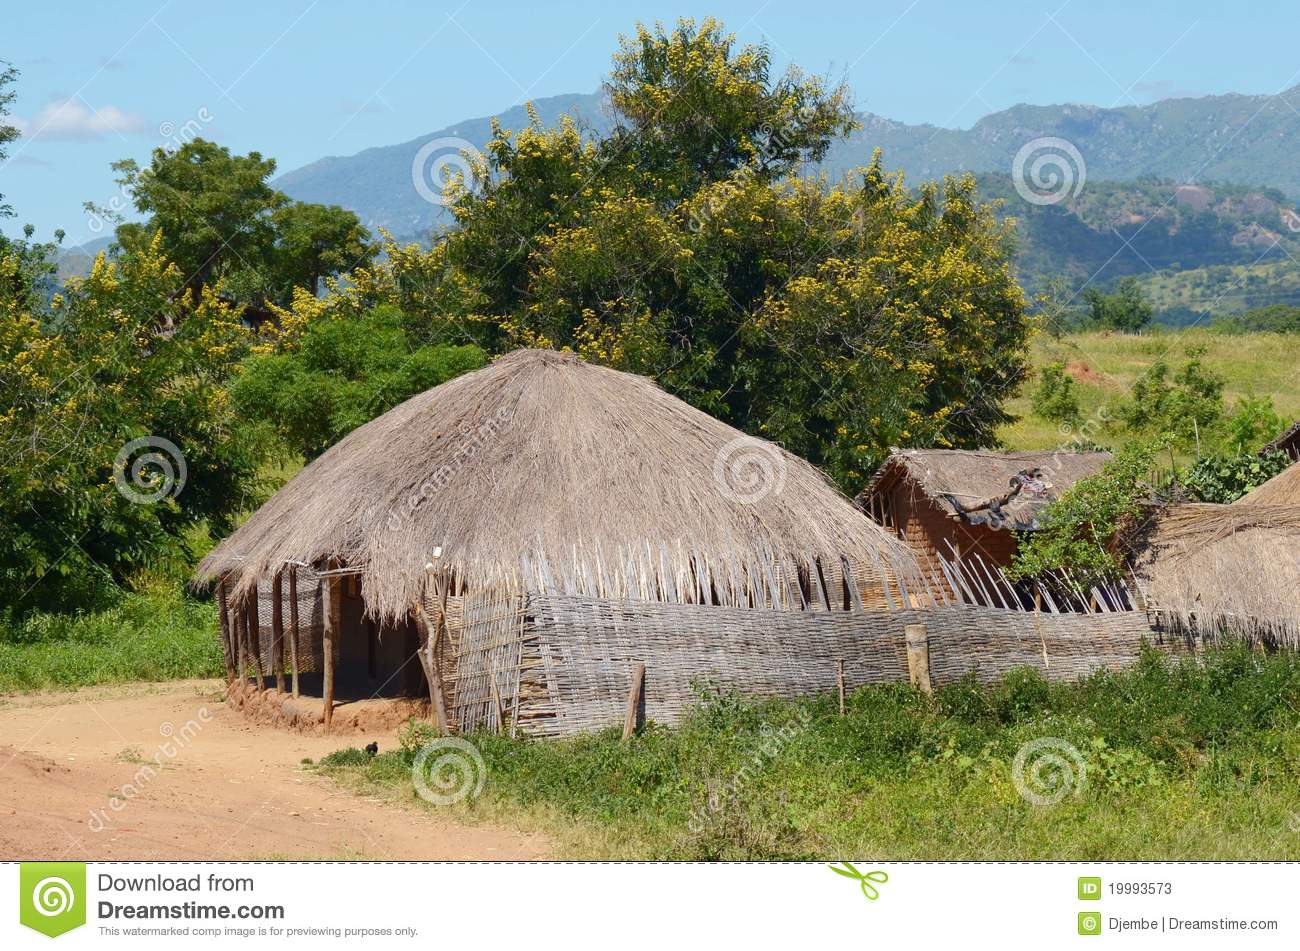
pixel 193 780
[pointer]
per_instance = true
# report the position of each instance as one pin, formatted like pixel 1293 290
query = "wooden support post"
pixel 293 625
pixel 237 622
pixel 227 638
pixel 330 636
pixel 430 660
pixel 253 635
pixel 277 631
pixel 634 694
pixel 918 656
pixel 839 676
pixel 496 703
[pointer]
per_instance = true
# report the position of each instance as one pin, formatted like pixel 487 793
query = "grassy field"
pixel 1106 364
pixel 1164 761
pixel 156 634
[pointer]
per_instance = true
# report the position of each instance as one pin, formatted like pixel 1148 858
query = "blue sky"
pixel 297 79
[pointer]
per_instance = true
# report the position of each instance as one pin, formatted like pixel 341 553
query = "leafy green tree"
pixel 694 108
pixel 342 373
pixel 1080 530
pixel 114 365
pixel 1056 397
pixel 1125 310
pixel 838 320
pixel 221 220
pixel 1253 423
pixel 313 242
pixel 1186 406
pixel 213 209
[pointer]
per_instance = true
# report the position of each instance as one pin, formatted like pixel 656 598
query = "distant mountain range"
pixel 1249 140
pixel 1187 194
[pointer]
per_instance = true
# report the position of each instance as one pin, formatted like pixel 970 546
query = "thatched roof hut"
pixel 1282 489
pixel 553 474
pixel 1231 569
pixel 542 476
pixel 955 503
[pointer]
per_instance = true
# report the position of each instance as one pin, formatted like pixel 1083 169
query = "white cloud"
pixel 74 120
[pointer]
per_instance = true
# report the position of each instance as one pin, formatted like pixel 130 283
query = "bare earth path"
pixel 226 789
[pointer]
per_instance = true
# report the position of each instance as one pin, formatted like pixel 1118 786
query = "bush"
pixel 1056 397
pixel 1227 478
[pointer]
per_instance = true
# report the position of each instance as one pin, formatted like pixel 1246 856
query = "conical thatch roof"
pixel 1282 489
pixel 963 482
pixel 558 475
pixel 1233 567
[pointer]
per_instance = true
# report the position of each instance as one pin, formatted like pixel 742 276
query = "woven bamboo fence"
pixel 557 665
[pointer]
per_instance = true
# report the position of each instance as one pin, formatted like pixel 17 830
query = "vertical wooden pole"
pixel 277 631
pixel 918 656
pixel 839 676
pixel 331 633
pixel 255 629
pixel 227 638
pixel 430 654
pixel 634 692
pixel 293 624
pixel 237 623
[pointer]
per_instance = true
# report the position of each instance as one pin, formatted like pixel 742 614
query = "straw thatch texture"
pixel 962 481
pixel 544 473
pixel 1229 569
pixel 1282 489
pixel 562 665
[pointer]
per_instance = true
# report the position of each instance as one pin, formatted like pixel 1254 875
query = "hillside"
pixel 1106 364
pixel 1182 139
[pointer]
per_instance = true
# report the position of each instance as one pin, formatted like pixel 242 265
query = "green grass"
pixel 1263 364
pixel 1181 760
pixel 156 634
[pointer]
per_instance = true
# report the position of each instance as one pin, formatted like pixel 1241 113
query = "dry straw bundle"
pixel 1231 568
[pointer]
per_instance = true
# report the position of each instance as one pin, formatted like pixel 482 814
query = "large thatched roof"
pixel 1231 566
pixel 1282 489
pixel 563 476
pixel 1001 489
